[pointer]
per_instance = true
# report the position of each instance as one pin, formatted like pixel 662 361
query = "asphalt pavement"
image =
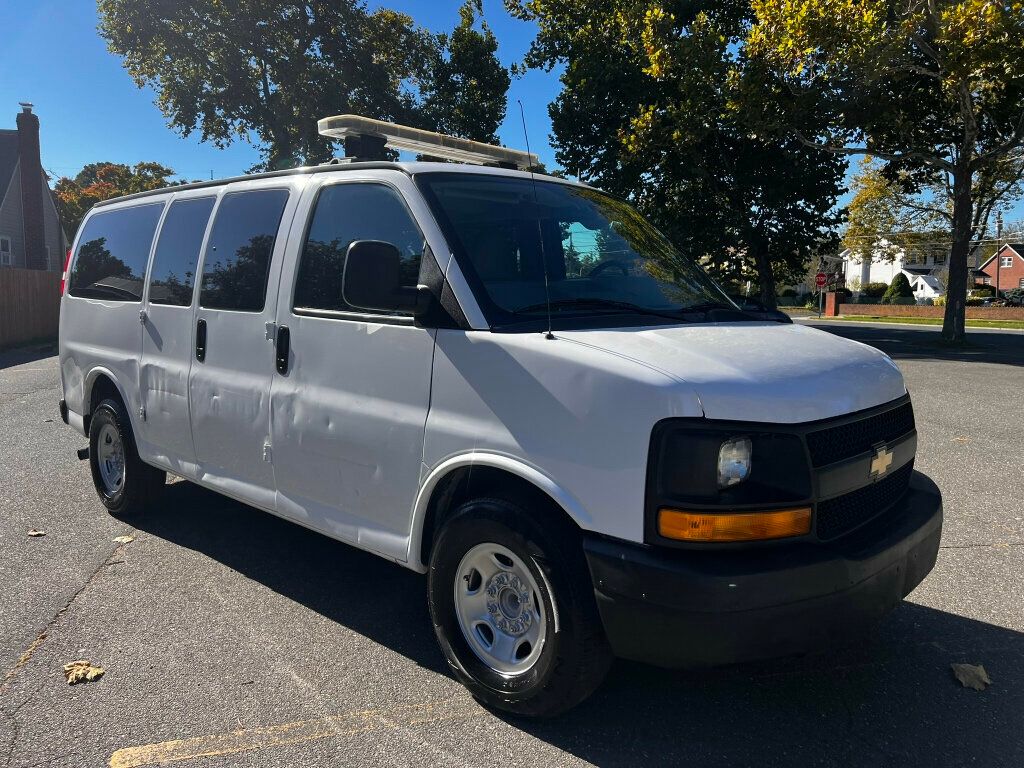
pixel 232 638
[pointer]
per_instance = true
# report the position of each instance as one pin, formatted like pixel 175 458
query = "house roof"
pixel 8 158
pixel 931 281
pixel 1017 248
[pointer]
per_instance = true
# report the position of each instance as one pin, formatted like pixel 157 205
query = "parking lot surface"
pixel 232 638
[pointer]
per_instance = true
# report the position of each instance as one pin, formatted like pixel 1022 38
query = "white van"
pixel 513 384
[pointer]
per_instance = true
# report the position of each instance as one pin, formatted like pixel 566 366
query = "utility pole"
pixel 999 246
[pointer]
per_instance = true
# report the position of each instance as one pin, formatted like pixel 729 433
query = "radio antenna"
pixel 540 229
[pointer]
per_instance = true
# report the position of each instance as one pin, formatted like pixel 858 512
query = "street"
pixel 233 638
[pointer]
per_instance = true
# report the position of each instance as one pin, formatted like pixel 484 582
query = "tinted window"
pixel 113 250
pixel 345 213
pixel 533 248
pixel 177 251
pixel 238 253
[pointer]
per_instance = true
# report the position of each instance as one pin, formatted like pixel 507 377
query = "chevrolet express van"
pixel 514 384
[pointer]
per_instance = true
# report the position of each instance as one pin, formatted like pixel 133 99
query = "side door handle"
pixel 283 346
pixel 200 340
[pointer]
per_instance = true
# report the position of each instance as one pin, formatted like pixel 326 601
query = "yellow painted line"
pixel 24 659
pixel 252 739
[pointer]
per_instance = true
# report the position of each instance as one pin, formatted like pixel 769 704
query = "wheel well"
pixel 465 483
pixel 102 388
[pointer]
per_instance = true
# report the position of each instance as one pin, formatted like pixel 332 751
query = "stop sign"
pixel 820 279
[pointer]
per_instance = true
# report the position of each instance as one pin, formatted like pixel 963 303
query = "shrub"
pixel 975 302
pixel 844 292
pixel 899 288
pixel 982 290
pixel 787 292
pixel 874 290
pixel 939 301
pixel 1015 296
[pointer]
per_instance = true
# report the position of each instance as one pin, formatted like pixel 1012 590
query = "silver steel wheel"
pixel 110 458
pixel 500 610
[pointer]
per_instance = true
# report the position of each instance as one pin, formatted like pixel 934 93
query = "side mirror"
pixel 372 279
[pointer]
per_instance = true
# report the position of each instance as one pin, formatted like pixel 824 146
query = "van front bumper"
pixel 693 608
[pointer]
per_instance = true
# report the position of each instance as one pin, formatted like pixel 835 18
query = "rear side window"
pixel 177 252
pixel 112 253
pixel 345 213
pixel 237 260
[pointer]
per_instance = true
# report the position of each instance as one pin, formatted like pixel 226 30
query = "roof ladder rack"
pixel 367 139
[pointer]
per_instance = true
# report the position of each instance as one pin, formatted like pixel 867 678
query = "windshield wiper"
pixel 596 303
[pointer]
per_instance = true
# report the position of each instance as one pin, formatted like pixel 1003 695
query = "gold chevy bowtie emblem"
pixel 880 463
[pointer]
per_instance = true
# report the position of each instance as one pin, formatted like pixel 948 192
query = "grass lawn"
pixel 1018 324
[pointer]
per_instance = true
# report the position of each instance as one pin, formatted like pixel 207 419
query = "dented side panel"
pixel 347 417
pixel 229 391
pixel 165 430
pixel 98 337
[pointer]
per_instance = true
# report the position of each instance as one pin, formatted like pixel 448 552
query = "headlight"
pixel 718 466
pixel 733 462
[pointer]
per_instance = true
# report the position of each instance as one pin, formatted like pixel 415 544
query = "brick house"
pixel 31 236
pixel 1008 262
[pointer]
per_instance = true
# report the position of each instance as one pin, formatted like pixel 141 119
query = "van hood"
pixel 759 371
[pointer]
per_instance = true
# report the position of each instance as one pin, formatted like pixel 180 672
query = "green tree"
pixel 464 89
pixel 933 88
pixel 899 288
pixel 102 181
pixel 651 109
pixel 266 70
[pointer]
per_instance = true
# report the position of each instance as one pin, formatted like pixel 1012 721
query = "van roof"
pixel 410 168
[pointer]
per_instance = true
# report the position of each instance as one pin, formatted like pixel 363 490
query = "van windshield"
pixel 600 256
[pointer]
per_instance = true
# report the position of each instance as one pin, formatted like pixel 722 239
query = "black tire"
pixel 575 657
pixel 141 482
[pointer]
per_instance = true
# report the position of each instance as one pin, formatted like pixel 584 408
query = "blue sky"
pixel 90 110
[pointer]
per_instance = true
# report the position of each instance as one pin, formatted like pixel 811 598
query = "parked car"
pixel 584 462
pixel 752 306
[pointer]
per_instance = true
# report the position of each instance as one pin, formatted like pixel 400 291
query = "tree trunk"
pixel 953 322
pixel 765 277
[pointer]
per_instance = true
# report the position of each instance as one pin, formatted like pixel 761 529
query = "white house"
pixel 925 271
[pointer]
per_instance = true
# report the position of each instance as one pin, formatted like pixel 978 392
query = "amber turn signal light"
pixel 740 526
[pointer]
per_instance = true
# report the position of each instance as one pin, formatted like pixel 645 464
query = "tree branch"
pixel 892 157
pixel 907 203
pixel 1004 148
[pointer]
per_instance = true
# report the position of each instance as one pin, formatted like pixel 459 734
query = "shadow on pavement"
pixel 28 354
pixel 889 700
pixel 926 344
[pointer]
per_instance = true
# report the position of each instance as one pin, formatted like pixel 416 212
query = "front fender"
pixel 515 466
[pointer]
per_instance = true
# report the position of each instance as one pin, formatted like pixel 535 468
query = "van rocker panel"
pixel 705 608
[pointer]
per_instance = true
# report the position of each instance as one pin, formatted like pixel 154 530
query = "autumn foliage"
pixel 101 181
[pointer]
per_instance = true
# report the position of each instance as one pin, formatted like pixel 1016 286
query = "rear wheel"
pixel 513 609
pixel 124 482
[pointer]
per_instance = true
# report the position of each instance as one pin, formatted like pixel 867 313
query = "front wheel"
pixel 123 481
pixel 513 609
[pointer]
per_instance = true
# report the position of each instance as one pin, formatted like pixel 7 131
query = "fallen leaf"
pixel 124 539
pixel 972 676
pixel 82 671
pixel 35 534
pixel 961 439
